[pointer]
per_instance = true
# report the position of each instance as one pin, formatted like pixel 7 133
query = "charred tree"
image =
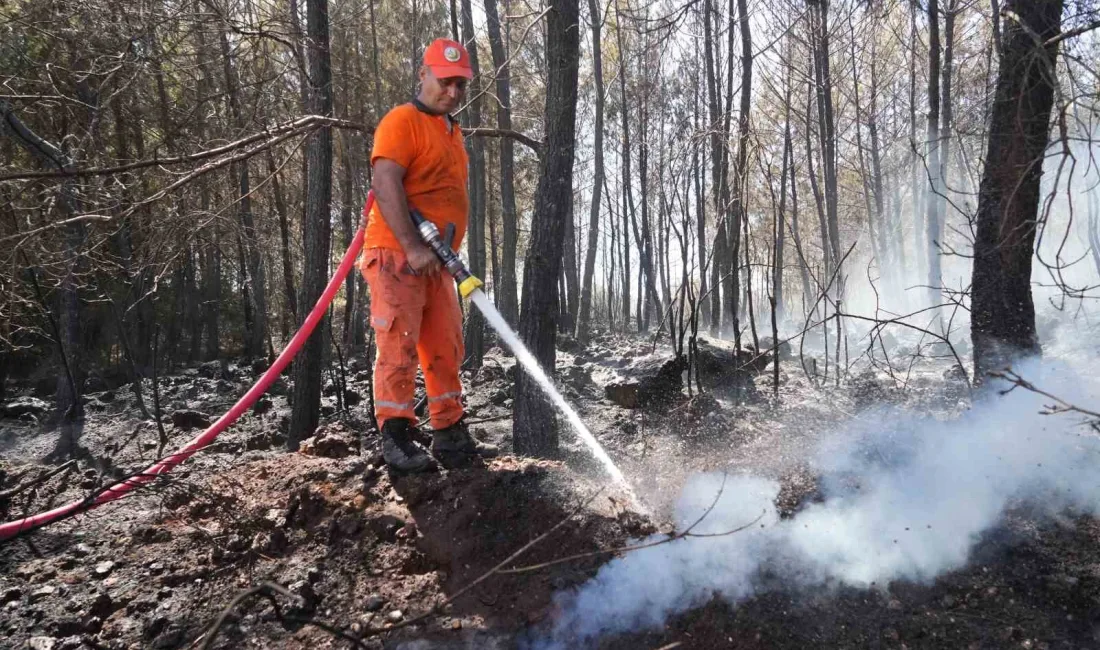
pixel 475 239
pixel 252 260
pixel 534 430
pixel 598 176
pixel 316 228
pixel 934 221
pixel 1002 309
pixel 509 299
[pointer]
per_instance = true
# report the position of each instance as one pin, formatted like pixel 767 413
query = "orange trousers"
pixel 416 319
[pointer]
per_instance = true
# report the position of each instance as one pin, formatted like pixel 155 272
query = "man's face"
pixel 441 95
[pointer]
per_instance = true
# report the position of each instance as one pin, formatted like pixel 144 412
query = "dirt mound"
pixel 360 549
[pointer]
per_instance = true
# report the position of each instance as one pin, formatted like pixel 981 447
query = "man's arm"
pixel 389 193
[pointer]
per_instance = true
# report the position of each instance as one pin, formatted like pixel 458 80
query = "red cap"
pixel 447 58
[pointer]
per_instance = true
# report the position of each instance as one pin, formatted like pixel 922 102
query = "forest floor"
pixel 388 559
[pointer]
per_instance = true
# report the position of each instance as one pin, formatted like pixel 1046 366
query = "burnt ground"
pixel 368 552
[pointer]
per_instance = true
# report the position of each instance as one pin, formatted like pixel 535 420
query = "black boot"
pixel 399 450
pixel 455 447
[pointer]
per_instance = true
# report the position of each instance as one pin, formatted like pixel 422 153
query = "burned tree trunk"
pixel 284 245
pixel 1002 310
pixel 475 241
pixel 534 430
pixel 598 178
pixel 251 260
pixel 570 275
pixel 935 216
pixel 509 299
pixel 315 227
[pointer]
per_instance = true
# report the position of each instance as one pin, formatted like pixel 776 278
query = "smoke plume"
pixel 903 498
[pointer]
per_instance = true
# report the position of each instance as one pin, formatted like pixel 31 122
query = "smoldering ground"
pixel 902 497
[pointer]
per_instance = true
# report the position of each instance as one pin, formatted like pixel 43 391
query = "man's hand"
pixel 422 260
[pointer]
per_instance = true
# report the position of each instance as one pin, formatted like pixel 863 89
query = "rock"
pixel 310 599
pixel 720 366
pixel 14 593
pixel 263 405
pixel 331 441
pixel 104 569
pixel 568 344
pixel 501 396
pixel 42 593
pixel 658 385
pixel 214 369
pixel 767 344
pixel 188 419
pixel 81 550
pixel 576 377
pixel 93 624
pixel 101 606
pixel 702 405
pixel 386 527
pixel 66 626
pixel 24 406
pixel 395 616
pixel 374 603
pixel 258 366
pixel 41 643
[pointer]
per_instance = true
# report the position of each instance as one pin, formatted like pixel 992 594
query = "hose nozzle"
pixel 467 283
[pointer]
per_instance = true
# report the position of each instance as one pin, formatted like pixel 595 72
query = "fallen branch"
pixel 6 495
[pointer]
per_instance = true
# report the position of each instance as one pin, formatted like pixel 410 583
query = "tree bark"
pixel 717 146
pixel 740 212
pixel 316 227
pixel 254 290
pixel 598 176
pixel 534 430
pixel 475 240
pixel 509 299
pixel 571 275
pixel 934 220
pixel 827 135
pixel 284 244
pixel 1002 309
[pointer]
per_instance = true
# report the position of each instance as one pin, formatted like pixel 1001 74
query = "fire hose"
pixel 119 489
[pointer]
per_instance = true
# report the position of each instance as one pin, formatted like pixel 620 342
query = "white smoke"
pixel 904 498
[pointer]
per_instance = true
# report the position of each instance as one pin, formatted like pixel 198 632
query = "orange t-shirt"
pixel 435 171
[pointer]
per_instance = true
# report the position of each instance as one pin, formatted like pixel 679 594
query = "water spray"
pixel 469 286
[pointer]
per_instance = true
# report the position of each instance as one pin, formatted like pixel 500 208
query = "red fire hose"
pixel 12 528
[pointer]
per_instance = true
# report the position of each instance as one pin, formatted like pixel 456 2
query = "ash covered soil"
pixel 387 560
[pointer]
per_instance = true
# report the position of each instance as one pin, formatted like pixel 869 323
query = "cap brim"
pixel 446 71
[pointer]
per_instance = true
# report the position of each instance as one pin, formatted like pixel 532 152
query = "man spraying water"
pixel 419 163
pixel 420 191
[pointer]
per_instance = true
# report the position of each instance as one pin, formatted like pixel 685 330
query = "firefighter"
pixel 419 162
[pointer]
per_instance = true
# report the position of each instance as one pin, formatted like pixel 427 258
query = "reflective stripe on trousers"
pixel 416 321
